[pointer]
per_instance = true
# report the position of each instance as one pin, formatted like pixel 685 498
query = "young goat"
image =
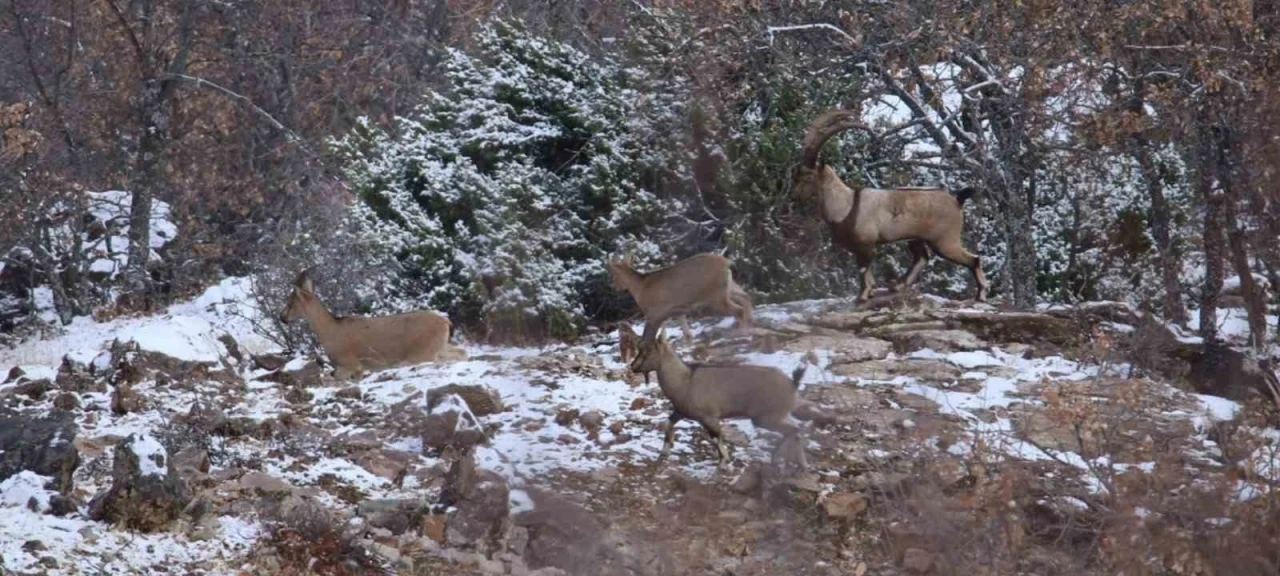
pixel 861 220
pixel 708 394
pixel 357 343
pixel 628 345
pixel 704 280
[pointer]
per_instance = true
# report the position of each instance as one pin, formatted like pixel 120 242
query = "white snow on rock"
pixel 152 460
pixel 18 490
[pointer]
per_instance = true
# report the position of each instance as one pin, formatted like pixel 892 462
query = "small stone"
pixel 350 393
pixel 34 546
pixel 617 427
pixel 844 506
pixel 265 484
pixel 639 403
pixel 387 552
pixel 298 395
pixel 49 562
pixel 567 416
pixel 592 419
pixel 66 401
pixel 567 439
pixel 433 527
pixel 270 362
pixel 918 561
pixel 14 373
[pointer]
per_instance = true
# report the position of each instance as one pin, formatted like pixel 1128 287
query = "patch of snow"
pixel 1218 409
pixel 520 501
pixel 18 490
pixel 150 454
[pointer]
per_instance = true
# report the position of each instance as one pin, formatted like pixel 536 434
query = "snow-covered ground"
pixel 528 446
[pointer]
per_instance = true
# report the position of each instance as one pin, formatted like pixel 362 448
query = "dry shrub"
pixel 308 540
pixel 1136 496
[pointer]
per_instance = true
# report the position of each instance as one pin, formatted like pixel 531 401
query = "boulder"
pixel 450 424
pixel 481 400
pixel 67 401
pixel 146 492
pixel 483 518
pixel 397 515
pixel 42 445
pixel 844 505
pixel 271 362
pixel 562 534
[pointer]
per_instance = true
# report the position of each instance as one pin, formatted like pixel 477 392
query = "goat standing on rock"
pixel 357 343
pixel 708 394
pixel 861 220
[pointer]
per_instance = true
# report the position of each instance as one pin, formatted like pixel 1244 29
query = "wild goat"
pixel 703 280
pixel 708 394
pixel 628 345
pixel 358 343
pixel 861 220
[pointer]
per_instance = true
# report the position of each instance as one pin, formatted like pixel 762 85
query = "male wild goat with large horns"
pixel 860 220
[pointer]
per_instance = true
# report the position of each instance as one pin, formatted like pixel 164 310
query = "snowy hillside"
pixel 559 428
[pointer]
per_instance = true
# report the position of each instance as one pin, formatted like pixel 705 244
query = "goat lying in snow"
pixel 703 280
pixel 708 394
pixel 358 343
pixel 861 220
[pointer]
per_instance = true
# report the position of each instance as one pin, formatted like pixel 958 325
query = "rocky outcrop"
pixel 146 492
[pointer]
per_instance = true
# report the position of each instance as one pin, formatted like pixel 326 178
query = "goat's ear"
pixel 304 284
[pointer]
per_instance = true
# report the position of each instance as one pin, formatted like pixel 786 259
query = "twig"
pixel 771 30
pixel 247 101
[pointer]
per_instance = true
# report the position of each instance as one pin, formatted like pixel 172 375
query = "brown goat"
pixel 861 220
pixel 358 343
pixel 628 345
pixel 703 280
pixel 708 394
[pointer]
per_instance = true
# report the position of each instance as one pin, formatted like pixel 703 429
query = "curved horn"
pixel 822 128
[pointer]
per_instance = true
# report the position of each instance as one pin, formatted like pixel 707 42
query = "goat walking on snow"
pixel 708 394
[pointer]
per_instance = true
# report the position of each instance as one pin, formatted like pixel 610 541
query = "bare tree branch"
pixel 293 137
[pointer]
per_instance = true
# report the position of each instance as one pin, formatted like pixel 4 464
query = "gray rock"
pixel 396 515
pixel 481 400
pixel 482 519
pixel 41 445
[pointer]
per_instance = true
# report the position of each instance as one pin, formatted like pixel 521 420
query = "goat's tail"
pixel 965 193
pixel 797 374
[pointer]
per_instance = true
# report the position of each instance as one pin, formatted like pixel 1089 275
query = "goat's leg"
pixel 743 300
pixel 670 438
pixel 651 327
pixel 864 258
pixel 790 433
pixel 712 425
pixel 684 328
pixel 952 250
pixel 919 257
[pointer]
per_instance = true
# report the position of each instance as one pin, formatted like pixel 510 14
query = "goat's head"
pixel 619 268
pixel 302 294
pixel 650 355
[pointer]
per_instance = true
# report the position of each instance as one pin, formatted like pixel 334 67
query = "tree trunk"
pixel 1254 303
pixel 1168 259
pixel 146 179
pixel 1022 250
pixel 1213 249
